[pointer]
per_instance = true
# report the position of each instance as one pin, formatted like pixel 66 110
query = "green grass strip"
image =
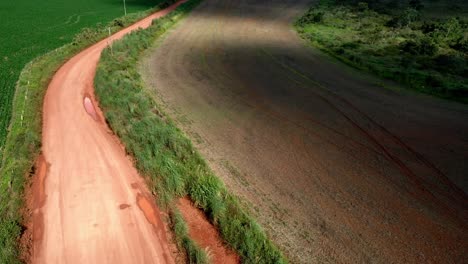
pixel 162 153
pixel 23 142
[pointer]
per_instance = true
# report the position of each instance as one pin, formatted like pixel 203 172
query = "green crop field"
pixel 31 28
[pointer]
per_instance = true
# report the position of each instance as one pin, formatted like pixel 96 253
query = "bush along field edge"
pixel 404 43
pixel 164 155
pixel 23 143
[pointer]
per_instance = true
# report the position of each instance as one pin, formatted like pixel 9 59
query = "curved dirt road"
pixel 337 168
pixel 91 206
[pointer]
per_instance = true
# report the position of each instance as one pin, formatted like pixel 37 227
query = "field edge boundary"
pixel 162 154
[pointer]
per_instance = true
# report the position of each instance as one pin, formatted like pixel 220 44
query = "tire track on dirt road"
pixel 93 205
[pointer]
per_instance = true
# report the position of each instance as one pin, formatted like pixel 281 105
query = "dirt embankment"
pixel 91 206
pixel 205 234
pixel 337 168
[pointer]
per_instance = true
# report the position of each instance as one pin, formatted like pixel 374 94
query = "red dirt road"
pixel 91 205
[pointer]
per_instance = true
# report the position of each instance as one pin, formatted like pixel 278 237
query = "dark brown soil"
pixel 337 168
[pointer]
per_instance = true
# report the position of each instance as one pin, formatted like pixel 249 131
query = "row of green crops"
pixel 31 28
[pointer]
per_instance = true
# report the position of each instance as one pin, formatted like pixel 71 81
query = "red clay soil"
pixel 91 205
pixel 35 199
pixel 205 234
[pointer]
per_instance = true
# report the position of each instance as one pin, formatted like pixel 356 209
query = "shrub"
pixel 394 22
pixel 167 3
pixel 450 33
pixel 434 82
pixel 450 63
pixel 461 44
pixel 350 45
pixel 118 23
pixel 416 4
pixel 393 4
pixel 428 27
pixel 409 16
pixel 423 46
pixel 362 6
pixel 86 35
pixel 312 16
pixel 404 19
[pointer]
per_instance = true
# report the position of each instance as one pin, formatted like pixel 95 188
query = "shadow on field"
pixel 315 145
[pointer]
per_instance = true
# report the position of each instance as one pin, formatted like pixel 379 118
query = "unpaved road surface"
pixel 336 168
pixel 91 206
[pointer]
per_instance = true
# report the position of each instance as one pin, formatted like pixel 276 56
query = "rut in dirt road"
pixel 91 205
pixel 338 168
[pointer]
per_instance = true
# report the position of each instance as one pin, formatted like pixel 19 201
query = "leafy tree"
pixel 409 16
pixel 312 16
pixel 461 44
pixel 450 33
pixel 428 27
pixel 416 4
pixel 393 4
pixel 453 29
pixel 363 6
pixel 423 46
pixel 404 19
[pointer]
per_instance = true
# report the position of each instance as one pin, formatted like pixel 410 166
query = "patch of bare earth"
pixel 336 168
pixel 34 199
pixel 205 234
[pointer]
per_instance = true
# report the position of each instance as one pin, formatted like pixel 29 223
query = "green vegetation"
pixel 33 28
pixel 22 145
pixel 420 44
pixel 168 160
